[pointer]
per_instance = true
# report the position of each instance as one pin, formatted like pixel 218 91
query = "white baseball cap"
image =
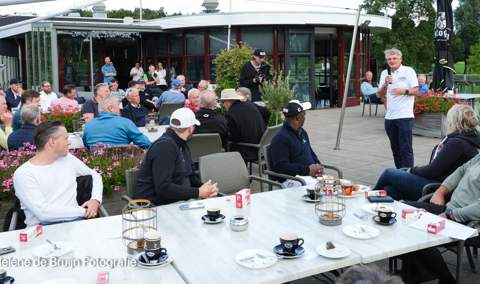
pixel 185 116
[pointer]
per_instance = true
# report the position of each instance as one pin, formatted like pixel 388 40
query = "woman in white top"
pixel 162 74
pixel 136 72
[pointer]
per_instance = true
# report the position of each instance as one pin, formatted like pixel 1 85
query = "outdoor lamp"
pixel 366 23
pixel 138 217
pixel 330 205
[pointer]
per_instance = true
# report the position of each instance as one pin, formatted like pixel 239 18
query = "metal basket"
pixel 330 204
pixel 138 217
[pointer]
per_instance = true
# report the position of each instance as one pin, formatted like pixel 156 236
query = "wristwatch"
pixel 448 212
pixel 406 92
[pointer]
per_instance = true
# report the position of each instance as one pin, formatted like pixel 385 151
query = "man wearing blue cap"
pixel 14 94
pixel 173 95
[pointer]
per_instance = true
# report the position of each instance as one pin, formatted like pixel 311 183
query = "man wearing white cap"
pixel 290 147
pixel 245 123
pixel 167 173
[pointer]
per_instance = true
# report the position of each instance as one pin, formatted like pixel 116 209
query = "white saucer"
pixel 257 262
pixel 46 250
pixel 157 265
pixel 355 231
pixel 353 195
pixel 338 252
pixel 278 250
pixel 370 208
pixel 306 198
pixel 207 220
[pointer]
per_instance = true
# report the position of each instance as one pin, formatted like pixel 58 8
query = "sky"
pixel 194 6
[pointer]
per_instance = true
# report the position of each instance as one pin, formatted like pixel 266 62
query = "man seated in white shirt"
pixel 46 95
pixel 46 185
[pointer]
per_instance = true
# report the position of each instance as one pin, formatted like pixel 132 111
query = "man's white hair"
pixel 194 90
pixel 391 51
pixel 130 92
pixel 105 102
pixel 203 83
pixel 421 75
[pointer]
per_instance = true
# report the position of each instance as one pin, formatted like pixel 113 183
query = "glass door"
pixel 300 61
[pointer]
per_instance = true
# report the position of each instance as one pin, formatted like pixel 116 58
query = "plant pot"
pixel 430 124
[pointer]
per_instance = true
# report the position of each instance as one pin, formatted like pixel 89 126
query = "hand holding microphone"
pixel 389 78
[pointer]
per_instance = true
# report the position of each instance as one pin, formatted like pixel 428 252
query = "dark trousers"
pixel 428 264
pixel 399 132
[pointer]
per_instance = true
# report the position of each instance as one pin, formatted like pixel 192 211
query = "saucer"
pixel 390 222
pixel 307 198
pixel 163 260
pixel 250 259
pixel 47 250
pixel 354 194
pixel 207 220
pixel 278 250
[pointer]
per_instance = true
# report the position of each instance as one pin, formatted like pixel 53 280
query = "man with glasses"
pixel 46 96
pixel 400 86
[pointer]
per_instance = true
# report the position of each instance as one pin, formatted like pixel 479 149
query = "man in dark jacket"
pixel 167 173
pixel 13 95
pixel 251 75
pixel 134 110
pixel 30 115
pixel 290 147
pixel 244 122
pixel 210 121
pixel 184 88
pixel 247 97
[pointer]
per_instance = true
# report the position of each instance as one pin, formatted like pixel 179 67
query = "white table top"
pixel 77 142
pixel 464 96
pixel 92 238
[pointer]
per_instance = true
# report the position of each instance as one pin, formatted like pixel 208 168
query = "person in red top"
pixel 194 100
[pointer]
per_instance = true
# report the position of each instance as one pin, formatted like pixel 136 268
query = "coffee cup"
pixel 3 275
pixel 311 192
pixel 386 214
pixel 153 248
pixel 213 213
pixel 290 242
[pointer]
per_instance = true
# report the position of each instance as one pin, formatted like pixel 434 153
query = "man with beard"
pixel 167 173
pixel 46 96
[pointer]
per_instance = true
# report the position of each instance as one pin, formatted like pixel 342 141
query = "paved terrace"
pixel 364 154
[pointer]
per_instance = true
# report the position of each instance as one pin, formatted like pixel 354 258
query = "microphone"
pixel 389 70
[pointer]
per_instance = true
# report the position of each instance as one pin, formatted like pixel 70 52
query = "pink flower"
pixel 116 164
pixel 116 188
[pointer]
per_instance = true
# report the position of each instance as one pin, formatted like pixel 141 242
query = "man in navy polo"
pixel 400 88
pixel 90 108
pixel 290 147
pixel 13 95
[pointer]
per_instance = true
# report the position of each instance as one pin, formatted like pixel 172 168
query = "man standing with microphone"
pixel 400 86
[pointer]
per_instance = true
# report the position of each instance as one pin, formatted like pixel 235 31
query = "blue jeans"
pixel 399 132
pixel 165 121
pixel 401 185
pixel 374 99
pixel 60 222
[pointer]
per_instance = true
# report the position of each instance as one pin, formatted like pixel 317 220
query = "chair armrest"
pixel 337 169
pixel 301 180
pixel 267 181
pixel 404 169
pixel 246 144
pixel 222 194
pixel 102 212
pixel 126 198
pixel 13 221
pixel 425 198
pixel 429 186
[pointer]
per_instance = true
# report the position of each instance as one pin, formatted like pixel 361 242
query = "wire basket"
pixel 138 217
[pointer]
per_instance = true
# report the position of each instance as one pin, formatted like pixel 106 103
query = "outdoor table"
pixel 470 98
pixel 77 141
pixel 97 238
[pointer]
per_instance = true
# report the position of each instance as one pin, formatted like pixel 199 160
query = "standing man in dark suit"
pixel 13 95
pixel 244 122
pixel 253 75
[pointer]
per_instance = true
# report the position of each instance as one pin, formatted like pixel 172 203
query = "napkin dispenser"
pixel 436 227
pixel 413 213
pixel 375 193
pixel 242 198
pixel 30 233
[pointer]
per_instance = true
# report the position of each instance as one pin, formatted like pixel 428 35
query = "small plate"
pixel 141 258
pixel 47 250
pixel 156 265
pixel 370 208
pixel 355 232
pixel 338 252
pixel 353 195
pixel 364 188
pixel 392 221
pixel 278 250
pixel 207 220
pixel 307 198
pixel 257 262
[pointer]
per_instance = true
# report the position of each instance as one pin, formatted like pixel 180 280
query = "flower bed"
pixel 434 103
pixel 109 161
pixel 64 115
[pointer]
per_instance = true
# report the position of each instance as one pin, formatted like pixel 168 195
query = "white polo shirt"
pixel 401 106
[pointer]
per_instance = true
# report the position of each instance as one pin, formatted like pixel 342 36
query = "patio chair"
pixel 15 219
pixel 272 175
pixel 131 177
pixel 204 144
pixel 228 170
pixel 366 100
pixel 166 109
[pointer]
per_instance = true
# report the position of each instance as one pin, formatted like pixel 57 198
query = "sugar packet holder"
pixel 375 193
pixel 415 213
pixel 436 227
pixel 242 198
pixel 31 233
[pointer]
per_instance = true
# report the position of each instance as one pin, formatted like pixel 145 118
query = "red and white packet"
pixel 242 198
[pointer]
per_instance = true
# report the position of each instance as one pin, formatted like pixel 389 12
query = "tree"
pixel 147 14
pixel 474 59
pixel 458 50
pixel 467 12
pixel 469 36
pixel 278 92
pixel 413 24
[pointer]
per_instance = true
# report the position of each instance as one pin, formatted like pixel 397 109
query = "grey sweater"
pixel 465 201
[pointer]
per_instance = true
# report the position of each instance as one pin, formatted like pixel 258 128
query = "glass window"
pixel 150 46
pixel 352 89
pixel 28 49
pixel 41 55
pixel 353 73
pixel 76 58
pixel 281 64
pixel 302 92
pixel 299 68
pixel 195 68
pixel 211 68
pixel 217 40
pixel 48 49
pixel 96 71
pixel 195 42
pixel 176 44
pixel 258 38
pixel 299 42
pixel 281 40
pixel 162 45
pixel 175 68
pixel 348 42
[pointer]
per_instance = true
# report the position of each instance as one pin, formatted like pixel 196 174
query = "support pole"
pixel 229 25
